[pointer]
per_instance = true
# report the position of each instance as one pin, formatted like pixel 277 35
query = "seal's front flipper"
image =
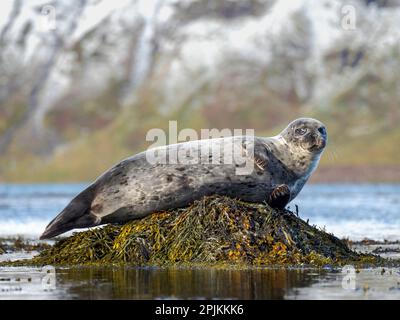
pixel 257 152
pixel 279 197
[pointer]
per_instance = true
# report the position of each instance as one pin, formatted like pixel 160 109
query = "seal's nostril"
pixel 322 130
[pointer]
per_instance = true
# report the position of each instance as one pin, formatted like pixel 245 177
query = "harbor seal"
pixel 134 188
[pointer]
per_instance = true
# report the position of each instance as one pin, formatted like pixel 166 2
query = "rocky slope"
pixel 80 73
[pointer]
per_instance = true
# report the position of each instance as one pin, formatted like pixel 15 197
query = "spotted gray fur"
pixel 134 188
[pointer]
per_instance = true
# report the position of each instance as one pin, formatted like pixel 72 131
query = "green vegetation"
pixel 99 116
pixel 93 134
pixel 88 157
pixel 212 231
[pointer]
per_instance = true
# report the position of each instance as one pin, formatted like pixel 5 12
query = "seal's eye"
pixel 301 131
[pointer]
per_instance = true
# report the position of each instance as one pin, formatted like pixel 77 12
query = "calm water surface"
pixel 170 283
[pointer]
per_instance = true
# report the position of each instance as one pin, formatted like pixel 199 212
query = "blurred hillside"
pixel 82 81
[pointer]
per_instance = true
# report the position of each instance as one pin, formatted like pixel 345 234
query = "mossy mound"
pixel 213 230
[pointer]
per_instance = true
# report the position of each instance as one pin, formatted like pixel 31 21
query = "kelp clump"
pixel 213 230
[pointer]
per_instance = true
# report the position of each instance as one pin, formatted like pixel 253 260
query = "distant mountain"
pixel 82 81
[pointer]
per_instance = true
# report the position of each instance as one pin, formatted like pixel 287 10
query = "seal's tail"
pixel 75 215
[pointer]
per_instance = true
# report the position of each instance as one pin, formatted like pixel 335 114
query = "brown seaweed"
pixel 212 231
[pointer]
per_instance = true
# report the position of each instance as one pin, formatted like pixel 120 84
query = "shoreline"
pixel 325 174
pixel 364 174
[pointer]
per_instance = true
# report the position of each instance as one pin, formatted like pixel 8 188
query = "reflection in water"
pixel 374 283
pixel 151 283
pixel 206 283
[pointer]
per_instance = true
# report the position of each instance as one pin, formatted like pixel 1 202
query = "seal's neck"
pixel 298 160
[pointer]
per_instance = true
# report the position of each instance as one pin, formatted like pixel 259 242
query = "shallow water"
pixel 172 283
pixel 355 211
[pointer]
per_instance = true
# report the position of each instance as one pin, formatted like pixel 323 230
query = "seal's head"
pixel 307 133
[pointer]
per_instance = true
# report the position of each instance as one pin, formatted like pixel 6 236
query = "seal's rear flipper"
pixel 75 215
pixel 279 197
pixel 61 224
